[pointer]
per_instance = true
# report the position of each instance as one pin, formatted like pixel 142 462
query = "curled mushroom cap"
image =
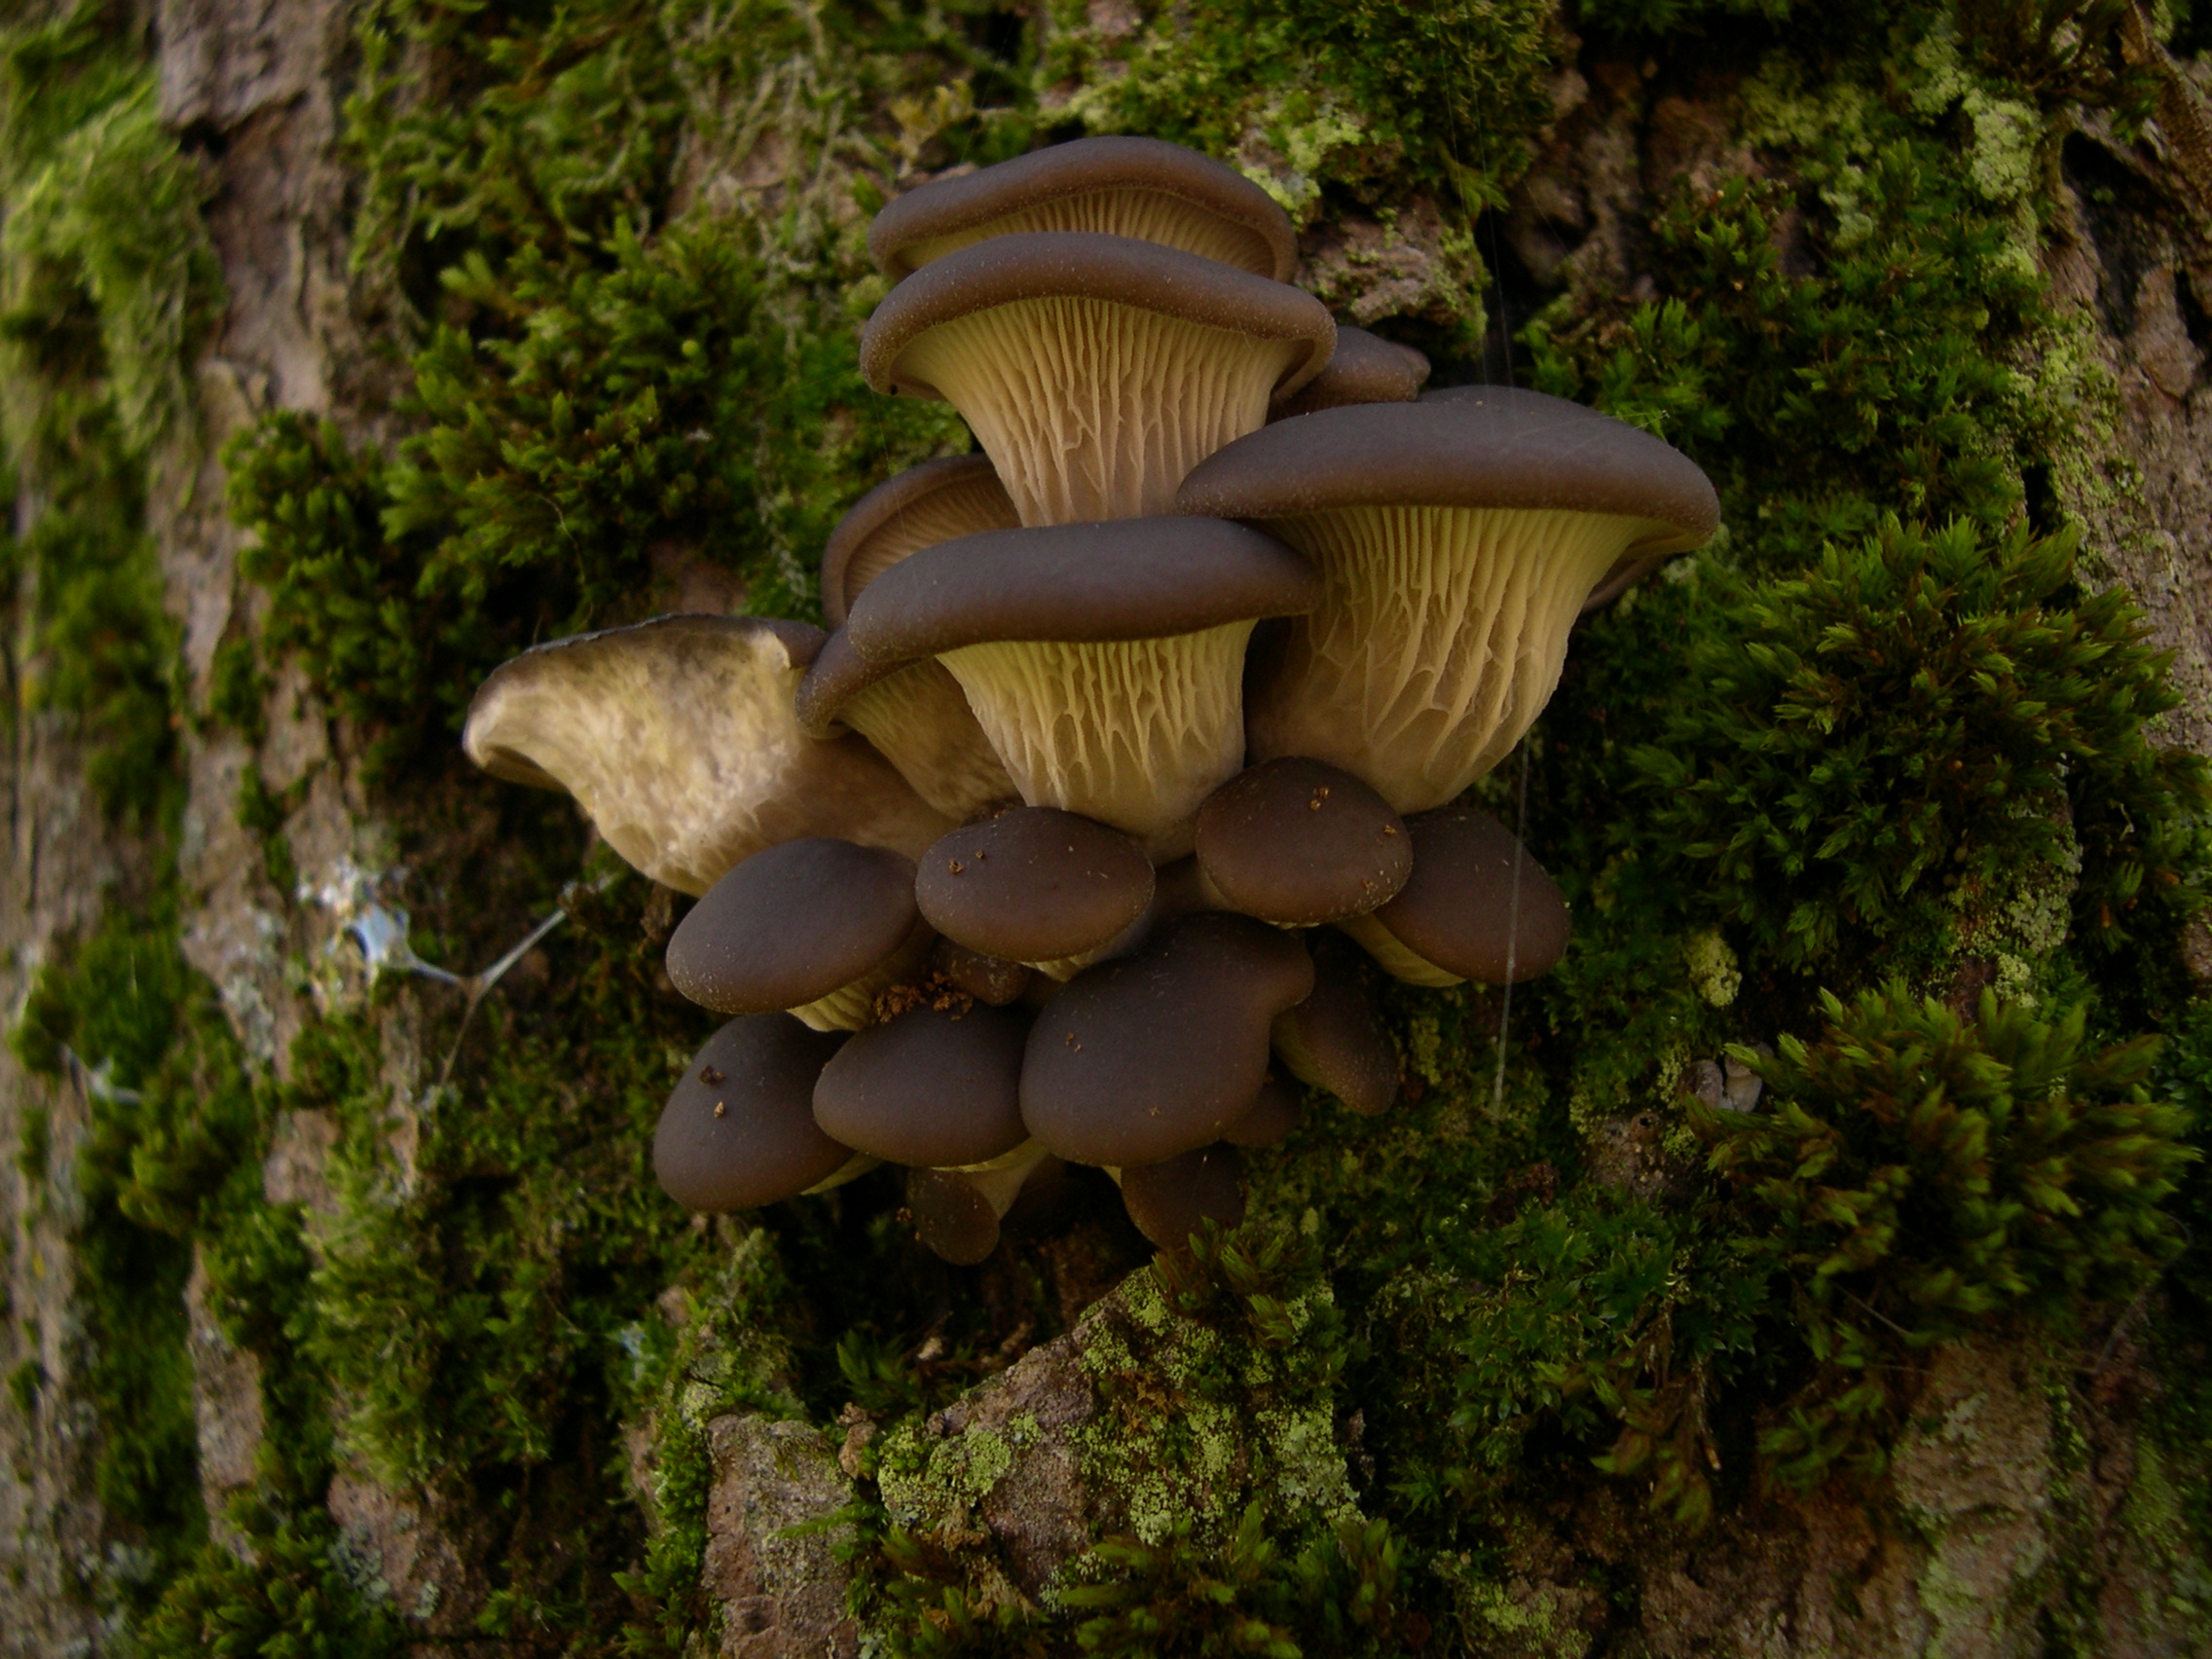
pixel 738 1131
pixel 1457 539
pixel 1095 370
pixel 930 1087
pixel 1033 885
pixel 1105 661
pixel 1272 1116
pixel 1151 1055
pixel 1172 1199
pixel 677 738
pixel 917 717
pixel 1364 368
pixel 925 504
pixel 1126 187
pixel 1298 842
pixel 816 926
pixel 1333 1041
pixel 1478 907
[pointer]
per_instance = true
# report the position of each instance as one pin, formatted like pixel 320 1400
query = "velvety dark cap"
pixel 1151 1055
pixel 1457 910
pixel 947 206
pixel 1298 842
pixel 1476 447
pixel 793 924
pixel 1033 884
pixel 1364 368
pixel 1272 1116
pixel 1051 265
pixel 951 1215
pixel 958 494
pixel 1141 578
pixel 1170 1201
pixel 1334 1041
pixel 932 1086
pixel 738 1131
pixel 991 979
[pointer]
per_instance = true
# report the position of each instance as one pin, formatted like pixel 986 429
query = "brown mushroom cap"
pixel 792 925
pixel 1272 1120
pixel 1125 186
pixel 915 714
pixel 930 1087
pixel 1298 842
pixel 677 737
pixel 935 501
pixel 990 980
pixel 1104 661
pixel 1033 884
pixel 1364 368
pixel 1095 370
pixel 1468 914
pixel 1151 1055
pixel 738 1131
pixel 951 1215
pixel 1333 1041
pixel 1170 1201
pixel 1456 540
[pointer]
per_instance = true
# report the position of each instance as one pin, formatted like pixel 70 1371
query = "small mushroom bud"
pixel 1479 907
pixel 930 1087
pixel 1333 1041
pixel 738 1131
pixel 957 1211
pixel 1169 1201
pixel 1272 1121
pixel 1298 842
pixel 1034 885
pixel 1364 368
pixel 988 979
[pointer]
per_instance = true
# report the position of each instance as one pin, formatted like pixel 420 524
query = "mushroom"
pixel 1272 1115
pixel 677 738
pixel 1478 907
pixel 1105 661
pixel 1144 188
pixel 959 495
pixel 1034 885
pixel 915 714
pixel 1298 842
pixel 816 926
pixel 957 1211
pixel 930 1087
pixel 1172 1199
pixel 1457 539
pixel 738 1131
pixel 990 980
pixel 1333 1041
pixel 1364 368
pixel 1154 1054
pixel 1095 370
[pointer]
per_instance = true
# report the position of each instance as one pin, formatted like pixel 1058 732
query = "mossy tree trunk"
pixel 353 347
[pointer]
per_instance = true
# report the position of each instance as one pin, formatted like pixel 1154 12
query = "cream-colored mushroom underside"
pixel 686 755
pixel 1001 1179
pixel 1092 410
pixel 1147 215
pixel 920 720
pixel 967 507
pixel 1394 958
pixel 851 1007
pixel 1134 733
pixel 1438 639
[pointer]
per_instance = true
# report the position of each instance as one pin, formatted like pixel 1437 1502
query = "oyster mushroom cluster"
pixel 1034 856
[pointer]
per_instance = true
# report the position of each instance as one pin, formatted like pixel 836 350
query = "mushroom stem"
pixel 1437 642
pixel 851 1170
pixel 1000 1180
pixel 1172 709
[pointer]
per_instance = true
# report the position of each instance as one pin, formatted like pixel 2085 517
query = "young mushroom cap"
pixel 1364 368
pixel 930 1087
pixel 991 979
pixel 738 1131
pixel 815 926
pixel 1478 907
pixel 1105 661
pixel 1148 1057
pixel 1456 540
pixel 677 737
pixel 958 494
pixel 1333 1041
pixel 1095 370
pixel 1033 884
pixel 1171 1199
pixel 915 714
pixel 951 1215
pixel 1130 187
pixel 1272 1119
pixel 1298 842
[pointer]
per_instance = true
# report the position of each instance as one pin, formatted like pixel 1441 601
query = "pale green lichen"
pixel 1715 974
